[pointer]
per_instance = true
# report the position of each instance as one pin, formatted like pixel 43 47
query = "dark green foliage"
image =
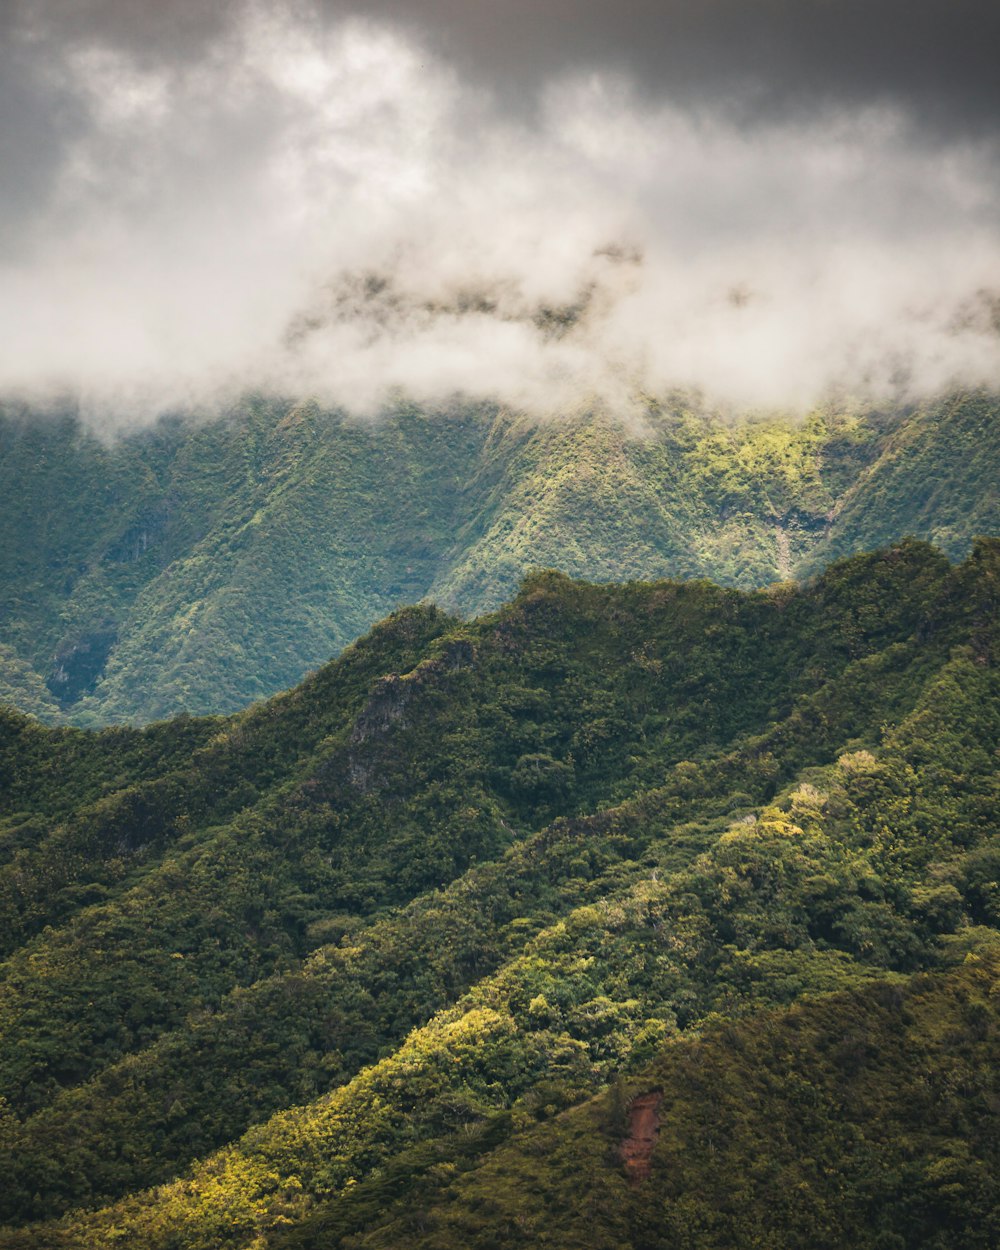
pixel 383 932
pixel 859 1120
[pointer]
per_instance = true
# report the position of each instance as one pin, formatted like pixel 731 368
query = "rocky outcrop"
pixel 79 663
pixel 386 704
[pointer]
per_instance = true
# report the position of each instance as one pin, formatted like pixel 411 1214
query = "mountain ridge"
pixel 200 567
pixel 470 873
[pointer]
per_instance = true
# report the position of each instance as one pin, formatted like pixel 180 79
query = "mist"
pixel 310 204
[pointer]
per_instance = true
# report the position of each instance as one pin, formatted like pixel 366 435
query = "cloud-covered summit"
pixel 294 199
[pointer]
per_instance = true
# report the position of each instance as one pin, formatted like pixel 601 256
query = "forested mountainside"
pixel 199 566
pixel 654 914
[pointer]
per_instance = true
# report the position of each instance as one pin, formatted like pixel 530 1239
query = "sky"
pixel 554 205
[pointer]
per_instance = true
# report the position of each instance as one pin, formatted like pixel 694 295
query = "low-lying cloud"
pixel 313 207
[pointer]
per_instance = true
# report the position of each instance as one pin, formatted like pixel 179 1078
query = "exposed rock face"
pixel 385 705
pixel 390 695
pixel 643 1125
pixel 78 665
pixel 146 532
pixel 458 654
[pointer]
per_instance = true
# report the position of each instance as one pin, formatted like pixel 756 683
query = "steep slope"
pixel 22 687
pixel 196 567
pixel 466 875
pixel 936 474
pixel 200 567
pixel 864 1119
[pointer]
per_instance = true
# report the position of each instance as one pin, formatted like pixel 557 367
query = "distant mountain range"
pixel 197 567
pixel 656 915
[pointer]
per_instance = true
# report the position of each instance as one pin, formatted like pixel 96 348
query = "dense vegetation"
pixel 385 959
pixel 198 566
pixel 863 1119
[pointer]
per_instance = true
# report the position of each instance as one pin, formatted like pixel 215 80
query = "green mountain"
pixel 833 1123
pixel 660 913
pixel 199 566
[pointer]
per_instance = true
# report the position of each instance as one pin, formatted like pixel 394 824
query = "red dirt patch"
pixel 643 1125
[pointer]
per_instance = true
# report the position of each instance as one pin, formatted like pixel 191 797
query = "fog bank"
pixel 309 205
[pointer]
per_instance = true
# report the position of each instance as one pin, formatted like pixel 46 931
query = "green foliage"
pixel 199 566
pixel 345 963
pixel 857 1120
pixel 22 687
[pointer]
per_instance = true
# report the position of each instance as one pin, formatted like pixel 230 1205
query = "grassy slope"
pixel 212 566
pixel 561 958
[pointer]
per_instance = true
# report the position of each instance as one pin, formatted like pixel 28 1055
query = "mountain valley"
pixel 199 565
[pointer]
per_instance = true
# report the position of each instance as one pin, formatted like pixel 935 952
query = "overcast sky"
pixel 553 203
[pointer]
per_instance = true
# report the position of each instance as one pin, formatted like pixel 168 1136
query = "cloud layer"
pixel 311 206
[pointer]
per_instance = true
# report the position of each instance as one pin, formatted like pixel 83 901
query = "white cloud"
pixel 327 209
